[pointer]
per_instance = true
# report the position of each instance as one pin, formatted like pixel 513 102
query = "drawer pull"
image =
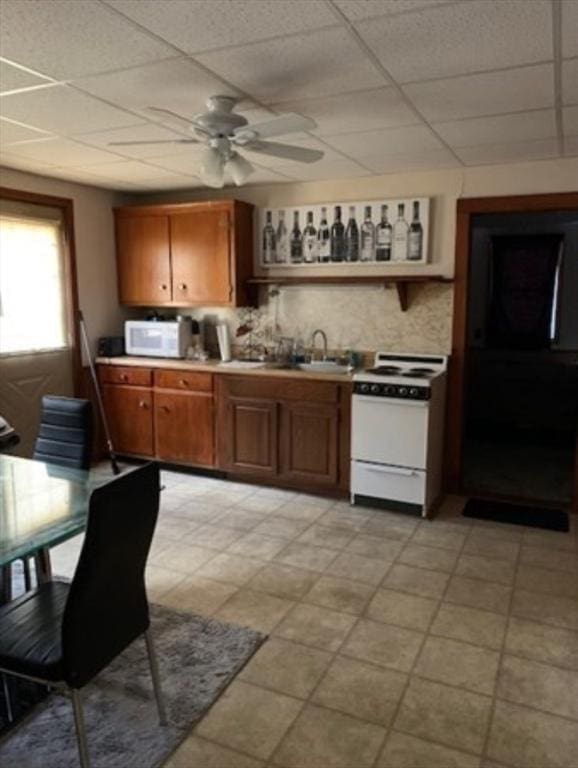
pixel 391 470
pixel 165 408
pixel 123 377
pixel 184 383
pixel 183 286
pixel 143 404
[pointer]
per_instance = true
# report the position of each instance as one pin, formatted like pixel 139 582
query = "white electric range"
pixel 397 427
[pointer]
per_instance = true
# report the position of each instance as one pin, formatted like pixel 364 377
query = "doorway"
pixel 38 341
pixel 513 384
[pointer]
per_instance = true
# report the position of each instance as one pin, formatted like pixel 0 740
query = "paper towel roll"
pixel 224 340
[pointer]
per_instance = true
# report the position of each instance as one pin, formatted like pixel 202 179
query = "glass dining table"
pixel 41 505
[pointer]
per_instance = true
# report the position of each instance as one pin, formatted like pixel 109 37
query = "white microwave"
pixel 162 338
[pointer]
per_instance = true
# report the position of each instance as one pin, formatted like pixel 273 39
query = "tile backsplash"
pixel 353 317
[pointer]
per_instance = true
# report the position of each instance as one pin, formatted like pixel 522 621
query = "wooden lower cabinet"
pixel 129 412
pixel 248 431
pixel 309 443
pixel 183 426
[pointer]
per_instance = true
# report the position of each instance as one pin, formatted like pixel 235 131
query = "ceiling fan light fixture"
pixel 239 168
pixel 212 167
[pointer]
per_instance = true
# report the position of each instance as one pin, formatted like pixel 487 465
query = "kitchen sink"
pixel 323 366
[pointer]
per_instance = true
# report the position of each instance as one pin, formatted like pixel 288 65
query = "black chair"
pixel 65 432
pixel 63 634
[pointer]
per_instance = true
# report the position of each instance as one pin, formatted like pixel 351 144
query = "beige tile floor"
pixel 393 642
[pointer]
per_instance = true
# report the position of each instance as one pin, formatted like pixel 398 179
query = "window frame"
pixel 66 207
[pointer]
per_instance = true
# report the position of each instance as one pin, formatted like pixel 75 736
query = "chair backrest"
pixel 65 432
pixel 107 605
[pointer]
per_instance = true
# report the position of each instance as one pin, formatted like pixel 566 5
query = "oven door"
pixel 389 431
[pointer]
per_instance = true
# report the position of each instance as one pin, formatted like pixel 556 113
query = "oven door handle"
pixel 382 469
pixel 375 400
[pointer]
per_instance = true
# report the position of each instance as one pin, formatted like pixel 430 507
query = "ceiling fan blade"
pixel 163 141
pixel 286 151
pixel 277 126
pixel 161 110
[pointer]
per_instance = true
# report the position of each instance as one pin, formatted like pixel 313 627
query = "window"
pixel 32 285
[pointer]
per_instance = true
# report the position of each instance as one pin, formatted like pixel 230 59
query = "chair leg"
pixel 80 729
pixel 27 574
pixel 5 584
pixel 7 699
pixel 155 677
pixel 43 566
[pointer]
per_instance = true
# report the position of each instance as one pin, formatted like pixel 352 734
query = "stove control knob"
pixel 364 388
pixel 389 390
pixel 375 389
pixel 402 391
pixel 413 392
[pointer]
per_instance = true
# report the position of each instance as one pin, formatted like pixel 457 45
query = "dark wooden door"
pixel 129 412
pixel 309 443
pixel 184 428
pixel 249 436
pixel 200 253
pixel 143 260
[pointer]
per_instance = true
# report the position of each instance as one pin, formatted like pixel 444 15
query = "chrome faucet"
pixel 324 337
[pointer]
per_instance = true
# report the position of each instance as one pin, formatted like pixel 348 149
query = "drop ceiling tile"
pixel 131 171
pixel 77 176
pixel 145 132
pixel 205 24
pixel 176 84
pixel 513 152
pixel 569 28
pixel 14 78
pixel 385 143
pixel 176 181
pixel 63 152
pixel 570 121
pixel 12 132
pixel 501 129
pixel 491 93
pixel 65 40
pixel 466 37
pixel 362 111
pixel 416 161
pixel 570 81
pixel 12 160
pixel 355 10
pixel 310 65
pixel 324 169
pixel 264 176
pixel 181 160
pixel 63 110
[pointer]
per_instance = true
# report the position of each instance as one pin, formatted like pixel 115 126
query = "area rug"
pixel 517 514
pixel 197 658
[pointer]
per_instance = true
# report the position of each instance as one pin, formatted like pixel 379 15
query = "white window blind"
pixel 32 288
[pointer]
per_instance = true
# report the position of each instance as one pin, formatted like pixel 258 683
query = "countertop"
pixel 269 370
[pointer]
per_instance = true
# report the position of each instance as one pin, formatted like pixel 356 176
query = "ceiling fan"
pixel 224 132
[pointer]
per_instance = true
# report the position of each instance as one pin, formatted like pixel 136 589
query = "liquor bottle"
pixel 367 237
pixel 383 236
pixel 400 235
pixel 282 240
pixel 323 239
pixel 310 240
pixel 268 241
pixel 415 235
pixel 337 237
pixel 352 237
pixel 296 242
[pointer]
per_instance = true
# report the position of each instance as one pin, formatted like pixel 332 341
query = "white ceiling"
pixel 394 85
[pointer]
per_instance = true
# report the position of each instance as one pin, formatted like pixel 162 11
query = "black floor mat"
pixel 517 514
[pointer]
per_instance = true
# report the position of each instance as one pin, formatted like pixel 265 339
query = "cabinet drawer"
pixel 281 389
pixel 118 374
pixel 386 482
pixel 185 380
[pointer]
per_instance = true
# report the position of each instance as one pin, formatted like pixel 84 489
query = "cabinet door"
pixel 200 256
pixel 129 412
pixel 309 443
pixel 249 436
pixel 184 428
pixel 144 270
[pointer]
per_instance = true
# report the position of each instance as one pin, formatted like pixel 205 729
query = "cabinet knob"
pixel 143 404
pixel 163 286
pixel 182 286
pixel 184 383
pixel 123 377
pixel 165 408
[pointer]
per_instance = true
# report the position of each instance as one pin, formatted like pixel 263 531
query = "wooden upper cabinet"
pixel 184 255
pixel 143 262
pixel 200 254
